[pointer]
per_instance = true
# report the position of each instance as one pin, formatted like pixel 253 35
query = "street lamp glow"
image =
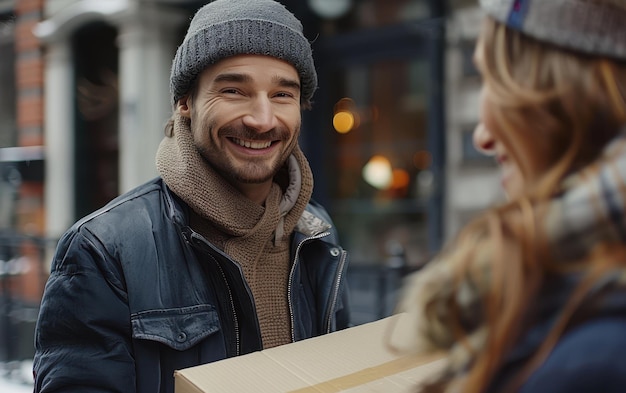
pixel 343 122
pixel 377 172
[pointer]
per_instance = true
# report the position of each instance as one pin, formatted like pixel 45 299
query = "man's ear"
pixel 184 106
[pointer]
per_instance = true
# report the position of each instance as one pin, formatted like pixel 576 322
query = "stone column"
pixel 148 37
pixel 59 147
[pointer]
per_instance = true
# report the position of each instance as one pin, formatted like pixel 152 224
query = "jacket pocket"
pixel 178 328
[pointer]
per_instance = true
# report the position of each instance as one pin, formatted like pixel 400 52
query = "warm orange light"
pixel 400 178
pixel 343 122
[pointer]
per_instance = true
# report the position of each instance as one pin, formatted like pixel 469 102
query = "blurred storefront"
pixel 85 98
pixel 22 271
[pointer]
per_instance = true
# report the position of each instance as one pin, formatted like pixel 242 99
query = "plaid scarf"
pixel 590 210
pixel 593 208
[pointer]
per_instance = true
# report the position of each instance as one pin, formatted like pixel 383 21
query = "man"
pixel 224 253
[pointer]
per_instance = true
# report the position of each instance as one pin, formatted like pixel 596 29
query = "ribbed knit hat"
pixel 596 27
pixel 225 28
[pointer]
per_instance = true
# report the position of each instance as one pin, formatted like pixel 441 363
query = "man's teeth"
pixel 252 145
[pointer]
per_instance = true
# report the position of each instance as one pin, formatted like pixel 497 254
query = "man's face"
pixel 245 117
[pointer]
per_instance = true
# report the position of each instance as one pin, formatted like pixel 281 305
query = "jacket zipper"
pixel 335 294
pixel 194 235
pixel 232 309
pixel 290 284
pixel 230 294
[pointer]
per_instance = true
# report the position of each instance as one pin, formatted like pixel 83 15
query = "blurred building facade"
pixel 85 97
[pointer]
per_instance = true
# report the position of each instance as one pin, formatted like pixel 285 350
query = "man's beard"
pixel 250 173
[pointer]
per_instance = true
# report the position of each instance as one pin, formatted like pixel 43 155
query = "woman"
pixel 531 296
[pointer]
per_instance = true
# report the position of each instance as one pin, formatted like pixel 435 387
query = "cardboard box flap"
pixel 351 360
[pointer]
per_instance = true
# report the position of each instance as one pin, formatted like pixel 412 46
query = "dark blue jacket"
pixel 134 294
pixel 588 358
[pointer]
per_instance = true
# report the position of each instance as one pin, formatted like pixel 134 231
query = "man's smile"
pixel 252 144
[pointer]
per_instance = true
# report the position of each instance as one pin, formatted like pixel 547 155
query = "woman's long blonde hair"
pixel 573 105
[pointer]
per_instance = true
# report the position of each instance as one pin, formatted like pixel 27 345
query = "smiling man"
pixel 245 119
pixel 224 253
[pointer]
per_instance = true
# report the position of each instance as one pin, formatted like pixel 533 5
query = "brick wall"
pixel 29 72
pixel 29 61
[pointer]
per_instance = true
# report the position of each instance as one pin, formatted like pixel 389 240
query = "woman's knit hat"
pixel 596 27
pixel 225 28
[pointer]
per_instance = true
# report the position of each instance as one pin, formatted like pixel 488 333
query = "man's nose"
pixel 261 115
pixel 483 140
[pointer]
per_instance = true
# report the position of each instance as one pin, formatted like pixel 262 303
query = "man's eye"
pixel 230 91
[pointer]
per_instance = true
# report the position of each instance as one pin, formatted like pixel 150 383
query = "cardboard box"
pixel 358 359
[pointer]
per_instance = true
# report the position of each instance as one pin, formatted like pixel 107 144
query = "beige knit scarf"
pixel 256 237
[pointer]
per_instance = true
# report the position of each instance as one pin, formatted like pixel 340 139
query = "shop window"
pixel 379 163
pixel 377 144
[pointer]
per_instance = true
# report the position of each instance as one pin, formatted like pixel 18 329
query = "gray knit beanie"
pixel 596 27
pixel 225 28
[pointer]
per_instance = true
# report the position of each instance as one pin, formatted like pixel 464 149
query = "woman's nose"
pixel 483 140
pixel 261 115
